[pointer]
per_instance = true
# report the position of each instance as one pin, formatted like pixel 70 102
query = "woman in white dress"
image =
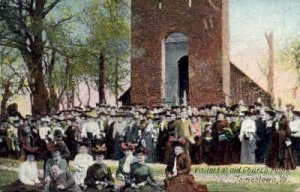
pixel 81 163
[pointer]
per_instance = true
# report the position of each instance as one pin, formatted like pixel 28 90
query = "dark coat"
pixel 131 133
pixel 109 142
pixel 98 172
pixel 183 164
pixel 279 154
pixel 141 173
pixel 262 140
pixel 183 181
pixel 67 180
pixel 64 151
pixel 220 148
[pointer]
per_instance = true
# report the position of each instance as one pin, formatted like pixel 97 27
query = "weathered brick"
pixel 208 50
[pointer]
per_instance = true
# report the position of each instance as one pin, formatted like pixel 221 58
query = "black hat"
pixel 255 112
pixel 271 113
pixel 156 118
pixel 179 142
pixel 141 150
pixel 258 104
pixel 102 113
pixel 297 113
pixel 247 113
pixel 175 107
pixel 99 150
pixel 251 107
pixel 85 142
pixel 58 133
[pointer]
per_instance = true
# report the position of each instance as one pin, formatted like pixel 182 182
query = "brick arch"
pixel 168 34
pixel 176 46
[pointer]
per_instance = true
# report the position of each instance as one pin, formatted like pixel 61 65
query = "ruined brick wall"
pixel 242 87
pixel 202 24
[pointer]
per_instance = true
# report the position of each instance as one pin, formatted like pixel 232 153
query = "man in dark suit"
pixel 262 138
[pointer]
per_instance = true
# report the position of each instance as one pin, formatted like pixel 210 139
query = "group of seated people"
pixel 89 172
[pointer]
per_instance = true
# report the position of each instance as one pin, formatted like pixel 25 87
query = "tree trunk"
pixel 78 95
pixel 270 77
pixel 117 82
pixel 89 93
pixel 40 99
pixel 69 86
pixel 40 95
pixel 54 100
pixel 53 97
pixel 101 82
pixel 73 97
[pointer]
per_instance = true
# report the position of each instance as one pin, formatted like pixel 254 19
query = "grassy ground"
pixel 7 177
pixel 217 178
pixel 241 187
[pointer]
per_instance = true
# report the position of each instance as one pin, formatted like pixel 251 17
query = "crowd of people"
pixel 73 143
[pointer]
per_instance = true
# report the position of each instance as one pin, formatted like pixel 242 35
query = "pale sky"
pixel 250 19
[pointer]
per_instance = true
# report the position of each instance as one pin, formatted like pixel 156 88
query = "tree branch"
pixel 50 7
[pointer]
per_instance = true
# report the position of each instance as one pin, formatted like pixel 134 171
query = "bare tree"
pixel 270 76
pixel 268 69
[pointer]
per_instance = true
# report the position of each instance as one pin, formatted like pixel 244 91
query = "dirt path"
pixel 3 167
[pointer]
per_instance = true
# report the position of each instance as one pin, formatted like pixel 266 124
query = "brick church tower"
pixel 184 52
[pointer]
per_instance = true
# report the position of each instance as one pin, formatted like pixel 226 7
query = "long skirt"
pixel 248 152
pixel 184 183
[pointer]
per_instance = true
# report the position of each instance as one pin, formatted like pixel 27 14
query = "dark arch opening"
pixel 183 70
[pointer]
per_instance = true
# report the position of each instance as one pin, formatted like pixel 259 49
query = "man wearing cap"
pixel 131 132
pixel 119 128
pixel 262 139
pixel 59 142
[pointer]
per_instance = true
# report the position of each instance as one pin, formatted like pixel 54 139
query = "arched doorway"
pixel 176 69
